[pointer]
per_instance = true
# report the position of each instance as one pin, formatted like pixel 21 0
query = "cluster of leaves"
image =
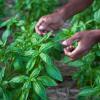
pixel 26 59
pixel 88 76
pixel 26 67
pixel 1 8
pixel 31 10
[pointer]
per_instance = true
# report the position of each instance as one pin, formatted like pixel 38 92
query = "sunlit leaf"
pixel 54 72
pixel 19 79
pixel 47 81
pixel 40 90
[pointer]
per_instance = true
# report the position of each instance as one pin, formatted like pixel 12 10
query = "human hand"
pixel 85 41
pixel 49 23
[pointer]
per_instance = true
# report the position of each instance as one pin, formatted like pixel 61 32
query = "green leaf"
pixel 47 81
pixel 2 72
pixel 40 90
pixel 1 93
pixel 17 64
pixel 98 53
pixel 24 95
pixel 1 43
pixel 32 53
pixel 5 23
pixel 19 79
pixel 65 59
pixel 82 26
pixel 46 58
pixel 97 16
pixel 27 85
pixel 6 94
pixel 30 65
pixel 36 72
pixel 54 72
pixel 46 46
pixel 89 58
pixel 89 91
pixel 46 37
pixel 77 63
pixel 5 35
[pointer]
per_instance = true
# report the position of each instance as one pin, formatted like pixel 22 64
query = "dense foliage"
pixel 27 60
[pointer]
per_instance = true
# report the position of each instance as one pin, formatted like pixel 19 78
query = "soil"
pixel 65 90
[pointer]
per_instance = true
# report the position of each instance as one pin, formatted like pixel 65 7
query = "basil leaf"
pixel 54 72
pixel 24 95
pixel 47 81
pixel 19 79
pixel 40 90
pixel 36 72
pixel 5 35
pixel 46 58
pixel 46 46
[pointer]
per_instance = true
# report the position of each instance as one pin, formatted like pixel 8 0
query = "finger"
pixel 55 26
pixel 67 42
pixel 42 20
pixel 47 30
pixel 78 52
pixel 37 29
pixel 70 41
pixel 70 48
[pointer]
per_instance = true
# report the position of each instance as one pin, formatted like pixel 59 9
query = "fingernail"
pixel 41 28
pixel 64 43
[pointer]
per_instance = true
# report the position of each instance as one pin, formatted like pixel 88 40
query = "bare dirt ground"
pixel 65 90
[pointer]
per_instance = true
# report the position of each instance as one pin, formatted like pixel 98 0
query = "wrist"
pixel 97 35
pixel 65 12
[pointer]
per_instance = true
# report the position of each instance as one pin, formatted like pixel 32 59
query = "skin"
pixel 55 20
pixel 85 41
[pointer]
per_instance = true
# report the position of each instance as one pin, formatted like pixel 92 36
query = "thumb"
pixel 44 26
pixel 70 41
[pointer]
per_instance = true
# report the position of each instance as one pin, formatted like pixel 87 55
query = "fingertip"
pixel 38 31
pixel 41 27
pixel 64 42
pixel 65 51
